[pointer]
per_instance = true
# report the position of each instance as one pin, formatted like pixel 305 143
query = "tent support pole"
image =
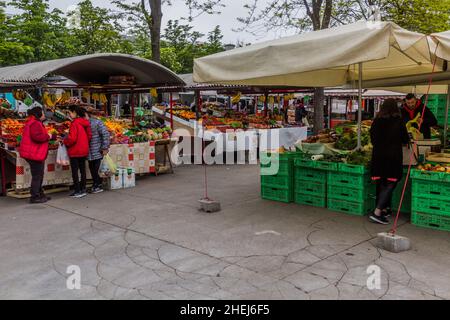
pixel 446 117
pixel 171 111
pixel 360 71
pixel 132 107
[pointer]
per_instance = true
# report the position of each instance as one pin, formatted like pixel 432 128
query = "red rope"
pixel 411 156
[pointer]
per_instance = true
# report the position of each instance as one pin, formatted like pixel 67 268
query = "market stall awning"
pixel 443 41
pixel 323 58
pixel 93 69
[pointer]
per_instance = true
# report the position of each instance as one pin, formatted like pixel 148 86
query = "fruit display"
pixel 115 126
pixel 11 131
pixel 184 114
pixel 434 167
pixel 5 104
pixel 122 131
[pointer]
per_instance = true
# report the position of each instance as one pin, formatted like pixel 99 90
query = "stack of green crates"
pixel 431 199
pixel 277 176
pixel 350 190
pixel 310 182
pixel 437 104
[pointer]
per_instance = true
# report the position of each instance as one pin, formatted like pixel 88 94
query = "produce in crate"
pixel 434 168
pixel 359 157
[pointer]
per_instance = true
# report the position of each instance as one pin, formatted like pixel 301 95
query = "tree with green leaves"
pixel 11 52
pixel 37 27
pixel 149 14
pixel 187 45
pixel 96 29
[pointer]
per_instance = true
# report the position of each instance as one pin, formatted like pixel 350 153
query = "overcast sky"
pixel 204 24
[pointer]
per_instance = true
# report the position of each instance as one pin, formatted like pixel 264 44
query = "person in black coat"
pixel 411 108
pixel 388 134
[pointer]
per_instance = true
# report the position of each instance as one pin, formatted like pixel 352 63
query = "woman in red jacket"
pixel 77 143
pixel 34 149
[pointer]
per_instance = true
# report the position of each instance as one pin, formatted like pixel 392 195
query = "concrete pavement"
pixel 151 242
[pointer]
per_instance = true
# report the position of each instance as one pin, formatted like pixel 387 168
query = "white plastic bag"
pixel 62 157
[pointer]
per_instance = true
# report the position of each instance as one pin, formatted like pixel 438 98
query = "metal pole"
pixel 132 108
pixel 360 70
pixel 266 104
pixel 330 111
pixel 198 106
pixel 171 111
pixel 446 117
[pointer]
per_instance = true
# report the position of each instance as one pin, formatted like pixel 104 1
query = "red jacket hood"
pixel 83 122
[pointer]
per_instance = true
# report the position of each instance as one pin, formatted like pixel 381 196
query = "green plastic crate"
pixel 277 194
pixel 436 97
pixel 359 181
pixel 312 175
pixel 310 188
pixel 441 119
pixel 305 163
pixel 351 194
pixel 310 200
pixel 430 176
pixel 277 168
pixel 277 181
pixel 433 206
pixel 353 208
pixel 431 189
pixel 432 221
pixel 353 168
pixel 267 157
pixel 326 165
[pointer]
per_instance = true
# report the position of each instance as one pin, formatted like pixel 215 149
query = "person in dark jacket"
pixel 388 134
pixel 34 149
pixel 98 148
pixel 77 143
pixel 411 108
pixel 126 109
pixel 300 111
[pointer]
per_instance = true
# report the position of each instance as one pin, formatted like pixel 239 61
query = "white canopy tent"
pixel 326 58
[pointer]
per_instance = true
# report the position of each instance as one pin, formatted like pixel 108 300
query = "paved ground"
pixel 151 242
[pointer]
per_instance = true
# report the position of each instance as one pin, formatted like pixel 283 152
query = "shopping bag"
pixel 107 167
pixel 104 171
pixel 62 157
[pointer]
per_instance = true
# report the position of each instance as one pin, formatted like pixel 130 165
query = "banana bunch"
pixel 95 97
pixel 236 98
pixel 289 97
pixel 416 134
pixel 103 99
pixel 154 92
pixel 19 95
pixel 86 95
pixel 49 99
pixel 100 97
pixel 65 96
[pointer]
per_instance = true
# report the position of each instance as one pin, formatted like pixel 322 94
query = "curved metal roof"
pixel 93 69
